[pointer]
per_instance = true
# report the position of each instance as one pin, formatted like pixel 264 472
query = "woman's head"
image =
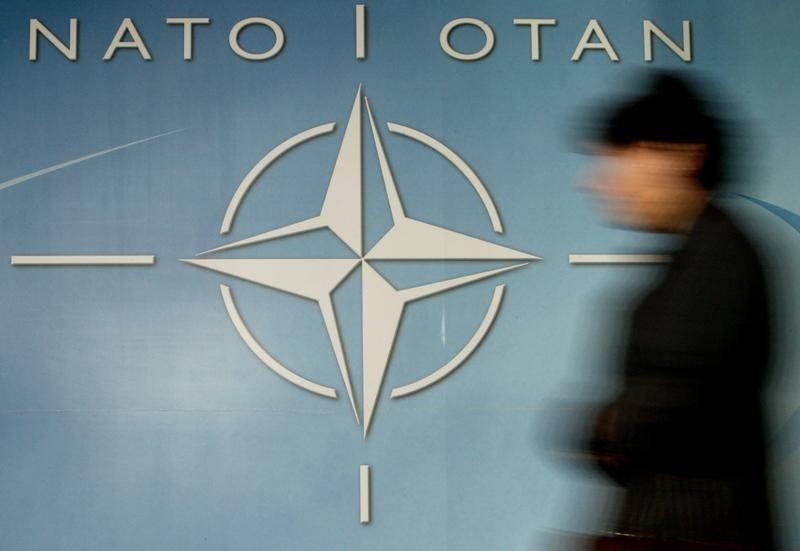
pixel 660 155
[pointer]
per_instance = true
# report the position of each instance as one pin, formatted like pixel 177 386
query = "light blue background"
pixel 131 414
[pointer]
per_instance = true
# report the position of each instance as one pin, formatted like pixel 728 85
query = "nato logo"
pixel 317 278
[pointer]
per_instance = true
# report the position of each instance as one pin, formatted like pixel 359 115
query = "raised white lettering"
pixel 535 24
pixel 136 41
pixel 233 38
pixel 594 28
pixel 188 32
pixel 488 34
pixel 37 28
pixel 684 53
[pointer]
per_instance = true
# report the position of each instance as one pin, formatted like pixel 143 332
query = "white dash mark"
pixel 84 260
pixel 619 258
pixel 444 327
pixel 361 27
pixel 364 482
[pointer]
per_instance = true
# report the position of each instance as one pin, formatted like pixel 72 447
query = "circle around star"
pixel 382 303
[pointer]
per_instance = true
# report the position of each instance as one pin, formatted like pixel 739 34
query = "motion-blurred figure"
pixel 684 437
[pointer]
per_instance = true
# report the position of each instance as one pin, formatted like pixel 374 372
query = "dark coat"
pixel 685 437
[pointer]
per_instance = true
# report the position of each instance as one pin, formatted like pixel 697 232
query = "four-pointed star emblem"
pixel 382 303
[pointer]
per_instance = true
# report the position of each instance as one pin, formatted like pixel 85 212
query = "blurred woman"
pixel 684 437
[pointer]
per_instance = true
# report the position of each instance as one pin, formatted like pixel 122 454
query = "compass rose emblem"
pixel 317 278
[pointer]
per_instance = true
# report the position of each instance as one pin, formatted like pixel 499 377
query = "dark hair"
pixel 670 111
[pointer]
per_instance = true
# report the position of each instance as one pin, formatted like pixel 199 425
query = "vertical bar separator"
pixel 364 483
